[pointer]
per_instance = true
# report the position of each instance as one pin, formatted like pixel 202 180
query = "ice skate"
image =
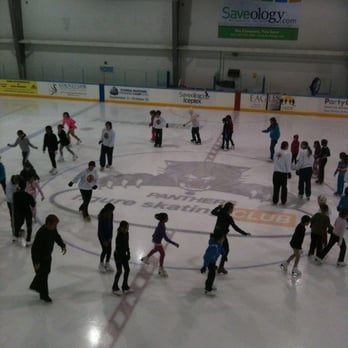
pixel 222 270
pixel 54 171
pixel 61 159
pixel 296 273
pixel 101 268
pixel 209 293
pixel 283 267
pixel 145 260
pixel 75 157
pixel 108 267
pixel 127 290
pixel 117 292
pixel 162 273
pixel 341 264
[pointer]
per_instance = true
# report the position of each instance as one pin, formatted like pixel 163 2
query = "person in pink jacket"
pixel 71 123
pixel 33 188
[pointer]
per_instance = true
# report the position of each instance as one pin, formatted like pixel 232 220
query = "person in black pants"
pixel 214 250
pixel 105 230
pixel 88 181
pixel 22 204
pixel 282 171
pixel 324 154
pixel 41 255
pixel 51 143
pixel 122 257
pixel 224 220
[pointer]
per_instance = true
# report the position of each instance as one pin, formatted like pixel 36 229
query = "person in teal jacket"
pixel 214 250
pixel 274 134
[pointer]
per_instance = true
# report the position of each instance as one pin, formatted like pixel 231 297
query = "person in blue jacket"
pixel 2 176
pixel 274 134
pixel 214 250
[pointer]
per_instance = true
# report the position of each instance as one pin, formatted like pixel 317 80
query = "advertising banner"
pixel 68 90
pixel 169 97
pixel 335 105
pixel 18 87
pixel 259 19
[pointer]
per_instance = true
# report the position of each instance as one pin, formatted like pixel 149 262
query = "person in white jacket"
pixel 88 181
pixel 158 124
pixel 281 173
pixel 194 119
pixel 107 142
pixel 304 168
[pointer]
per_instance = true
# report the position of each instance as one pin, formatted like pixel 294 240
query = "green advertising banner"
pixel 259 19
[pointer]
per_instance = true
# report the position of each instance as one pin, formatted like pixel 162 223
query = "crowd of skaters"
pixel 22 190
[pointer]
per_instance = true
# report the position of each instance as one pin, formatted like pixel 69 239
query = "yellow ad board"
pixel 18 87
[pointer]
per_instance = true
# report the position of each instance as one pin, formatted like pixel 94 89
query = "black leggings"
pixel 121 262
pixel 106 251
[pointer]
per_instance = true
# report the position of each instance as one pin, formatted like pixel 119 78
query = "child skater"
pixel 71 123
pixel 341 170
pixel 214 250
pixel 296 245
pixel 295 148
pixel 107 141
pixel 105 229
pixel 227 132
pixel 152 116
pixel 158 124
pixel 122 257
pixel 320 223
pixel 337 236
pixel 24 143
pixel 224 220
pixel 159 234
pixel 64 141
pixel 194 119
pixel 322 200
pixel 274 134
pixel 316 155
pixel 324 154
pixel 51 143
pixel 33 187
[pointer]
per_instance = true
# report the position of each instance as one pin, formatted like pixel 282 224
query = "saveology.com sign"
pixel 252 19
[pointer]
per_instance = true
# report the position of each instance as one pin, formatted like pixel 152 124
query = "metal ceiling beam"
pixel 18 35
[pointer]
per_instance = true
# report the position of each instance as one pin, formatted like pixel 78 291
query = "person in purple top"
pixel 159 234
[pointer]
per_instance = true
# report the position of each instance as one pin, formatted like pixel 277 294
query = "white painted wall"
pixel 322 27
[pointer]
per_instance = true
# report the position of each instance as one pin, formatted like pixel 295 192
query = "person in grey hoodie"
pixel 24 143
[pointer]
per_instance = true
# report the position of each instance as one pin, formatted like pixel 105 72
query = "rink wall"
pixel 229 101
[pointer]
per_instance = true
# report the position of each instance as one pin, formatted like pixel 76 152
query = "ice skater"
pixel 107 142
pixel 158 124
pixel 223 221
pixel 88 181
pixel 337 236
pixel 23 203
pixel 324 154
pixel 33 188
pixel 41 255
pixel 341 170
pixel 304 168
pixel 295 148
pixel 122 256
pixel 24 144
pixel 296 245
pixel 64 142
pixel 214 250
pixel 71 123
pixel 274 134
pixel 194 120
pixel 51 143
pixel 105 231
pixel 152 116
pixel 227 131
pixel 159 234
pixel 281 173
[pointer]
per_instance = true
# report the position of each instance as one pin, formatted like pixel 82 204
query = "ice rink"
pixel 256 304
